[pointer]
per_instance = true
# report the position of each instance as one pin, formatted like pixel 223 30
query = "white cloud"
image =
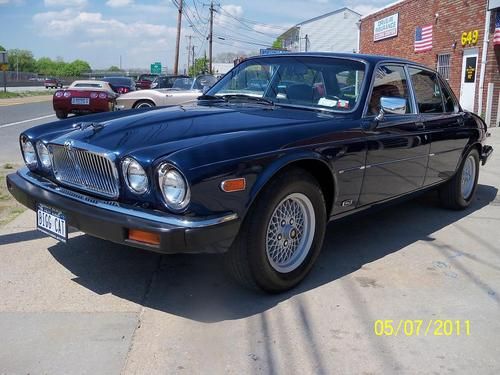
pixel 119 3
pixel 65 3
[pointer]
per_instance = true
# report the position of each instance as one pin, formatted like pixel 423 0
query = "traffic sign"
pixel 156 68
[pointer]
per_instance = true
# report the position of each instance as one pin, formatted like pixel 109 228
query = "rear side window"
pixel 449 103
pixel 427 91
pixel 390 81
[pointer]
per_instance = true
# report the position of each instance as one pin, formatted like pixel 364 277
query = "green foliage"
pixel 2 49
pixel 48 67
pixel 200 66
pixel 21 59
pixel 278 43
pixel 114 68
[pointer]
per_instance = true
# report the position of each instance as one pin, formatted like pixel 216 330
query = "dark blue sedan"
pixel 259 165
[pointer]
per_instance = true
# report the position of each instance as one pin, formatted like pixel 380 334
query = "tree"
pixel 114 68
pixel 200 66
pixel 278 43
pixel 2 49
pixel 21 59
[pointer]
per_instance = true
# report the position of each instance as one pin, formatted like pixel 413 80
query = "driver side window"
pixel 390 81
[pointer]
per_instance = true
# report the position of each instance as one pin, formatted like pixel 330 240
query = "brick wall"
pixel 454 17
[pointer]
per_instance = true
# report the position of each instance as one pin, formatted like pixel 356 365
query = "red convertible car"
pixel 83 97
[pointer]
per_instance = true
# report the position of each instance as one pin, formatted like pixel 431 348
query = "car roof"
pixel 355 56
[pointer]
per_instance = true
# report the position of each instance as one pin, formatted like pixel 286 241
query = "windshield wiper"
pixel 249 98
pixel 211 97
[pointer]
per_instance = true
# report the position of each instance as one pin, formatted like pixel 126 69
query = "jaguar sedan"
pixel 259 165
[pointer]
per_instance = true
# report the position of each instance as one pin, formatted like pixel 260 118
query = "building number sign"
pixel 470 38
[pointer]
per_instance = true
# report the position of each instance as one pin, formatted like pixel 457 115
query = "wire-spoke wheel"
pixel 458 192
pixel 468 177
pixel 281 235
pixel 290 232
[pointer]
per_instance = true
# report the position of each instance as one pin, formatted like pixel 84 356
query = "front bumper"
pixel 111 220
pixel 486 153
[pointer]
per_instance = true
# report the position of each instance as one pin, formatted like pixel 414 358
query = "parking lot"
pixel 98 308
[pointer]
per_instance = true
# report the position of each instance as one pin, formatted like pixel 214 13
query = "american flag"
pixel 423 39
pixel 496 38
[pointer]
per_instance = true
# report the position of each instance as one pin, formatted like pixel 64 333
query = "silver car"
pixel 184 90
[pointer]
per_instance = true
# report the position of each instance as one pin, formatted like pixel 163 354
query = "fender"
pixel 283 162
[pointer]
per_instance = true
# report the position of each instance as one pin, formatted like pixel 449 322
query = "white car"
pixel 183 91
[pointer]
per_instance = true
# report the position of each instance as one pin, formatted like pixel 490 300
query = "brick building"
pixel 461 29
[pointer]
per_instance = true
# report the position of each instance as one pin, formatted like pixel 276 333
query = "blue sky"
pixel 143 31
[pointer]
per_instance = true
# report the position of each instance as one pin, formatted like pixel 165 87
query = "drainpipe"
pixel 484 56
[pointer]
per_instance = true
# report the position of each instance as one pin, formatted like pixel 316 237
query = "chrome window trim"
pixel 116 207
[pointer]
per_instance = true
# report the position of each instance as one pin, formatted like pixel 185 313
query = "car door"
pixel 442 117
pixel 398 146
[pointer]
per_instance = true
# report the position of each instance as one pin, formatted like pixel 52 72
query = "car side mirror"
pixel 391 105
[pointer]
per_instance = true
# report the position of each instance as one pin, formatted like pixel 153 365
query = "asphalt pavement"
pixel 93 307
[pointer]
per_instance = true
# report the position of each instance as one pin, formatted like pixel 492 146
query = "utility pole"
pixel 189 51
pixel 178 40
pixel 211 36
pixel 194 61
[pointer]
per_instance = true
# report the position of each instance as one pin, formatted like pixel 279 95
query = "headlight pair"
pixel 29 154
pixel 172 183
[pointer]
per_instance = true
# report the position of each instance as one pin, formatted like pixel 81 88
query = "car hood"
pixel 164 130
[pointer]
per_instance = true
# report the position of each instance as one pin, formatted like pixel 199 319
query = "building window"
pixel 443 65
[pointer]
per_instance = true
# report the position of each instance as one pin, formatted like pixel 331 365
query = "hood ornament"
pixel 68 145
pixel 84 125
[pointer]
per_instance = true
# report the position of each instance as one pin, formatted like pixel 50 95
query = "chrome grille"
pixel 85 170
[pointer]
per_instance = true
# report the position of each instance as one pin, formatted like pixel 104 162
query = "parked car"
pixel 144 81
pixel 52 83
pixel 165 82
pixel 253 172
pixel 121 85
pixel 184 90
pixel 83 97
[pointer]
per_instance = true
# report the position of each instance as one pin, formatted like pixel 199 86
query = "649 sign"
pixel 470 38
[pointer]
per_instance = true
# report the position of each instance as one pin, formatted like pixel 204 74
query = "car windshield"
pixel 183 83
pixel 147 77
pixel 118 81
pixel 317 82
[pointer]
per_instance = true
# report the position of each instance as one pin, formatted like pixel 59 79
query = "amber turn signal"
pixel 235 184
pixel 144 237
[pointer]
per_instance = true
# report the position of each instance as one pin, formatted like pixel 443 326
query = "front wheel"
pixel 144 104
pixel 459 191
pixel 282 234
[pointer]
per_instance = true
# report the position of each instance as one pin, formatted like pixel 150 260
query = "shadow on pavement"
pixel 196 287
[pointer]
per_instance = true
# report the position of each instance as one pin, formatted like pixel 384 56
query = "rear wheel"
pixel 281 236
pixel 144 104
pixel 458 192
pixel 61 115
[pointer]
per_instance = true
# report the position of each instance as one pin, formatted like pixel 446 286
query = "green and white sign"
pixel 156 68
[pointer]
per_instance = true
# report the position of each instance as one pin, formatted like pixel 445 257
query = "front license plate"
pixel 80 101
pixel 52 222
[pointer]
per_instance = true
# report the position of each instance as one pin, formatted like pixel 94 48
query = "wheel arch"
pixel 312 163
pixel 144 100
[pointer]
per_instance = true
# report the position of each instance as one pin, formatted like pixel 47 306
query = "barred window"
pixel 443 65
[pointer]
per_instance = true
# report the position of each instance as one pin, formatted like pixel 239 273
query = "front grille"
pixel 85 170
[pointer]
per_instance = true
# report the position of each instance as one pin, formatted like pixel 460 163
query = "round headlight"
pixel 28 151
pixel 135 176
pixel 43 154
pixel 174 187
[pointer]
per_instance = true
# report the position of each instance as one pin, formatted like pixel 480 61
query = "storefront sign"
pixel 470 69
pixel 493 4
pixel 386 27
pixel 470 38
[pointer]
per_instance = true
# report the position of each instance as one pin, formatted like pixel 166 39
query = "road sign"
pixel 156 68
pixel 272 51
pixel 3 57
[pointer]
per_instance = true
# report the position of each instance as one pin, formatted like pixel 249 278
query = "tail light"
pixel 59 94
pixel 103 95
pixel 67 94
pixel 94 95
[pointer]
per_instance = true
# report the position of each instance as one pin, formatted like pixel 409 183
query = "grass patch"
pixel 24 94
pixel 9 207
